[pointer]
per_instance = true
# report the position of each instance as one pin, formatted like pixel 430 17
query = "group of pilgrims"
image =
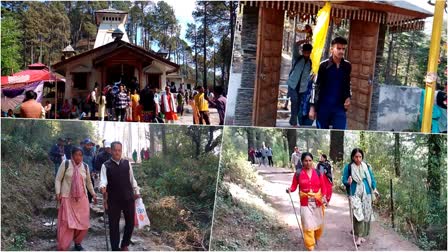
pixel 314 184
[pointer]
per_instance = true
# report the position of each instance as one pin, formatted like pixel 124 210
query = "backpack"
pixel 66 167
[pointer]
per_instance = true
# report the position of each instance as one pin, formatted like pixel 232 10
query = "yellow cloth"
pixel 319 35
pixel 312 219
pixel 317 196
pixel 200 102
pixel 311 236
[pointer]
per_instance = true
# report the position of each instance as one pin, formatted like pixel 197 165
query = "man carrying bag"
pixel 121 190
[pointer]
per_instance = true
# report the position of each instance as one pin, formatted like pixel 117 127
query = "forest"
pixel 37 31
pixel 410 170
pixel 177 183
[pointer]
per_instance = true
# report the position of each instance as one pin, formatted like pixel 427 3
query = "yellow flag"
pixel 319 35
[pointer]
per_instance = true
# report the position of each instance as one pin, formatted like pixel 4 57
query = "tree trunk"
pixel 396 77
pixel 164 145
pixel 204 25
pixel 232 35
pixel 389 59
pixel 410 52
pixel 434 171
pixel 337 145
pixel 250 137
pixel 291 136
pixel 196 54
pixel 214 68
pixel 397 154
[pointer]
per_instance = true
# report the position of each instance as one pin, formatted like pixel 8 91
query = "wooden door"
pixel 269 55
pixel 362 54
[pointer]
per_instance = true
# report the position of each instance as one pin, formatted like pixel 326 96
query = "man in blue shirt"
pixel 298 80
pixel 88 158
pixel 331 94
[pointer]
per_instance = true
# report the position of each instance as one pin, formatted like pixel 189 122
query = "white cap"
pixel 107 144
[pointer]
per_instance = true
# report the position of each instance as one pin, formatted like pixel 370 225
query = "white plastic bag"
pixel 141 217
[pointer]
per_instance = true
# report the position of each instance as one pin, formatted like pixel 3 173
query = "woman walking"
pixel 312 200
pixel 71 184
pixel 361 184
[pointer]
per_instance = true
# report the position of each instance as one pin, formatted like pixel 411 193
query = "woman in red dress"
pixel 312 200
pixel 168 106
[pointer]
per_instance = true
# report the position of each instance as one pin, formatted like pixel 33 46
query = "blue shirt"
pixel 333 91
pixel 88 157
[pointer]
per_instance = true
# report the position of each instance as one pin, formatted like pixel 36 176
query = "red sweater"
pixel 307 185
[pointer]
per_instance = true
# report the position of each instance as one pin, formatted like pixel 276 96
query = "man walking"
pixel 120 190
pixel 88 158
pixel 295 159
pixel 270 161
pixel 331 96
pixel 68 148
pixel 122 101
pixel 56 154
pixel 298 81
pixel 219 102
pixel 202 105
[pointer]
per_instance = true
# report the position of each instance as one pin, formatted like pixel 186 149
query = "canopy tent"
pixel 13 87
pixel 35 72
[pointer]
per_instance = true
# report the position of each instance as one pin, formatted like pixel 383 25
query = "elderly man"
pixel 120 190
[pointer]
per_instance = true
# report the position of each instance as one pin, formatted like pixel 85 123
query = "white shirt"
pixel 103 177
pixel 93 96
pixel 295 157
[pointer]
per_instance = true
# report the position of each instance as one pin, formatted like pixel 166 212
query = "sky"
pixel 183 10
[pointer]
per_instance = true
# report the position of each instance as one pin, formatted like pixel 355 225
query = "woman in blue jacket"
pixel 361 187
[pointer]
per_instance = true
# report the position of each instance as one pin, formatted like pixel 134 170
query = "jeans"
pixel 296 108
pixel 331 115
pixel 121 114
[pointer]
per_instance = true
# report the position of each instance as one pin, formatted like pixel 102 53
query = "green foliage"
pixel 10 44
pixel 27 174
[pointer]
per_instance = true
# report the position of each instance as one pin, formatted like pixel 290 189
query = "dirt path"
pixel 337 221
pixel 44 236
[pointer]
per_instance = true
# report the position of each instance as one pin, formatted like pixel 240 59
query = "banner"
pixel 320 35
pixel 11 98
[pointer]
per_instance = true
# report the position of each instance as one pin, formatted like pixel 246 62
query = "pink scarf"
pixel 76 187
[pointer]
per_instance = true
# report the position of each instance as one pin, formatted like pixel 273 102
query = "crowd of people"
pixel 261 156
pixel 126 102
pixel 77 169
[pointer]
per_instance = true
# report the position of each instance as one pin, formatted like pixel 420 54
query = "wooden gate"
pixel 362 54
pixel 269 55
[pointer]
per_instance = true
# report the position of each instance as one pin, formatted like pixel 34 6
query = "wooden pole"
pixel 392 203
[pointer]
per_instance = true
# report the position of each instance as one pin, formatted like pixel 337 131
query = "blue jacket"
pixel 354 184
pixel 55 154
pixel 299 64
pixel 88 158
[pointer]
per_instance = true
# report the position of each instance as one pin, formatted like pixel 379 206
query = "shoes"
pixel 78 247
pixel 124 248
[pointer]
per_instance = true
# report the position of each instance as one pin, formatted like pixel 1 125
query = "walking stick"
pixel 297 218
pixel 105 219
pixel 351 220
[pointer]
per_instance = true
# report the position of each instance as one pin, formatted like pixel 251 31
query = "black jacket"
pixel 322 81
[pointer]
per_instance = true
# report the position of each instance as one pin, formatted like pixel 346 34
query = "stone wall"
pixel 398 107
pixel 245 92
